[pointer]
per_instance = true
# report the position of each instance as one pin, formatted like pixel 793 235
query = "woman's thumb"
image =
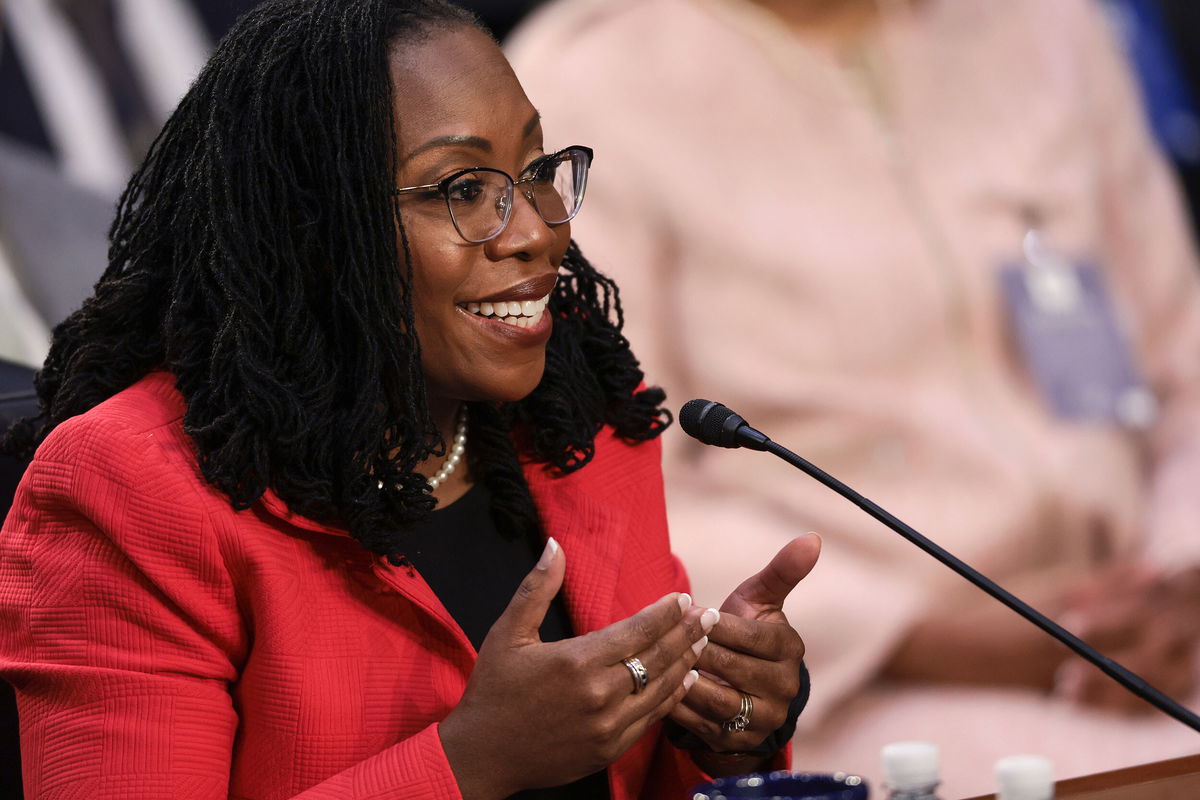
pixel 521 620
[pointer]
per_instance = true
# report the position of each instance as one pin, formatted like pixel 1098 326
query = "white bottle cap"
pixel 1024 778
pixel 910 765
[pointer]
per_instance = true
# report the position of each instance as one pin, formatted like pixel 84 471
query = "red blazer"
pixel 163 645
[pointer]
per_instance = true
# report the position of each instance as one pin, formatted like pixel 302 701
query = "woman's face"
pixel 458 105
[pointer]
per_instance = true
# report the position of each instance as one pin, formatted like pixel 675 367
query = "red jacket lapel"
pixel 591 533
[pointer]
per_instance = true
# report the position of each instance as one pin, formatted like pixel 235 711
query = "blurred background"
pixel 85 85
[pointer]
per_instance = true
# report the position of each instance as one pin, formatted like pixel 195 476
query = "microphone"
pixel 715 424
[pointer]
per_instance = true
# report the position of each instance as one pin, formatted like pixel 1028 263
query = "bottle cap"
pixel 910 765
pixel 1024 778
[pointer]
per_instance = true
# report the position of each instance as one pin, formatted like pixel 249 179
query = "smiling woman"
pixel 313 460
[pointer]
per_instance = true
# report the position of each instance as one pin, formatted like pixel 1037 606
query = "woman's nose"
pixel 527 236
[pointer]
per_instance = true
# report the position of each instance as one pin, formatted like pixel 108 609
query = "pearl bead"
pixel 457 450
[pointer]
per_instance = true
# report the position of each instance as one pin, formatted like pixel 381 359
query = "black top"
pixel 474 571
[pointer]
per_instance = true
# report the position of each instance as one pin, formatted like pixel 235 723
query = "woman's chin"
pixel 501 386
pixel 518 391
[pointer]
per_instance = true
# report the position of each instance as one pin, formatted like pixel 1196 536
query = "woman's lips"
pixel 529 289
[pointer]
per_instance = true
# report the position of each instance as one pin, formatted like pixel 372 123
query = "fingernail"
pixel 685 602
pixel 547 555
pixel 690 679
pixel 698 647
pixel 709 619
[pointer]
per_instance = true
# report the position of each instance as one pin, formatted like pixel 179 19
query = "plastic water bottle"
pixel 910 770
pixel 1024 778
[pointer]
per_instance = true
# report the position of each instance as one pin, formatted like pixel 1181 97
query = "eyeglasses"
pixel 480 199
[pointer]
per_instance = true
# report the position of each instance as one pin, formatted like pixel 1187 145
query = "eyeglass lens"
pixel 481 201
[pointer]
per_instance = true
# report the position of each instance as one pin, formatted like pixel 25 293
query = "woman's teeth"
pixel 521 313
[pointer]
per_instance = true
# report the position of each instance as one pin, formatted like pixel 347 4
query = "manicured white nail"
pixel 548 554
pixel 690 679
pixel 685 602
pixel 709 619
pixel 698 647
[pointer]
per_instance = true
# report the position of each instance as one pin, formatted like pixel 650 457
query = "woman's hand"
pixel 1141 619
pixel 538 714
pixel 1126 612
pixel 751 650
pixel 970 638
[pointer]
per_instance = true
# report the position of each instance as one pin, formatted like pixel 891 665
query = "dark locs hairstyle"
pixel 254 256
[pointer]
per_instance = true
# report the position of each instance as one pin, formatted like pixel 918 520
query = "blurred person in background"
pixel 930 246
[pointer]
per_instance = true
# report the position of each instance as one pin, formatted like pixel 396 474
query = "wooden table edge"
pixel 1127 776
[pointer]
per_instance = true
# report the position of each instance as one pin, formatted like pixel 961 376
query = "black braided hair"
pixel 254 257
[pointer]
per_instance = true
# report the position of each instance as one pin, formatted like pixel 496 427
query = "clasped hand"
pixel 1145 621
pixel 752 651
pixel 537 714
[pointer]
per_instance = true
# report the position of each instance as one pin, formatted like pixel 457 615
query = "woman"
pixel 225 574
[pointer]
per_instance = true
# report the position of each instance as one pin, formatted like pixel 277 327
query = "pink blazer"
pixel 163 645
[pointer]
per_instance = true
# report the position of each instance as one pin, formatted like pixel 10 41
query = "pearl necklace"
pixel 457 449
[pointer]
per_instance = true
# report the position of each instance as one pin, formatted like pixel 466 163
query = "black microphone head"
pixel 713 423
pixel 705 420
pixel 691 416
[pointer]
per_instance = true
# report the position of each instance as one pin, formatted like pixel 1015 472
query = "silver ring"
pixel 637 670
pixel 740 721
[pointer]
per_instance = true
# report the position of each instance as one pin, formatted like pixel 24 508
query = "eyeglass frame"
pixel 442 187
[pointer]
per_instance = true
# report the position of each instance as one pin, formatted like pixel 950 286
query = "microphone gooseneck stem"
pixel 1109 667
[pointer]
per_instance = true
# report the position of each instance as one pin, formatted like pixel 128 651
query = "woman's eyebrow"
pixel 463 140
pixel 457 140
